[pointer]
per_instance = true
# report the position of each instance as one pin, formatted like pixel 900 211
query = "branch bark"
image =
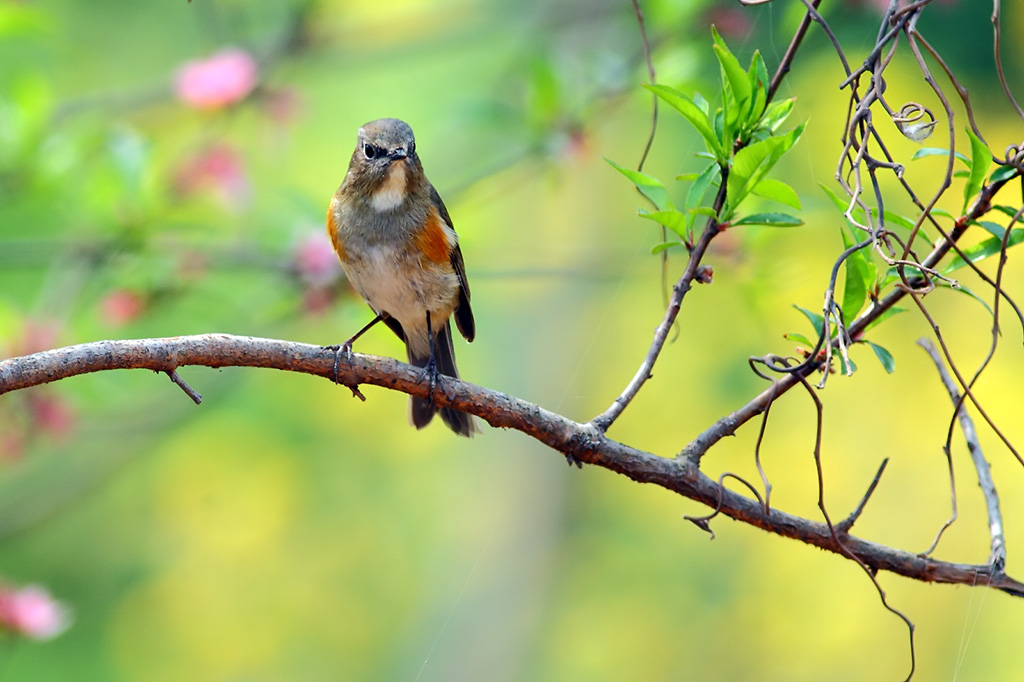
pixel 578 442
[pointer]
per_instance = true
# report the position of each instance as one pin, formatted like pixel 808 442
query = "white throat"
pixel 392 191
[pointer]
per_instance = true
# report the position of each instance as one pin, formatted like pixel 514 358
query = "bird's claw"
pixel 337 349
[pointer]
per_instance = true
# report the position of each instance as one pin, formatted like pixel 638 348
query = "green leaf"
pixel 884 357
pixel 736 91
pixel 777 190
pixel 1007 211
pixel 698 189
pixel 840 204
pixel 892 275
pixel 735 74
pixel 890 217
pixel 799 338
pixel 650 187
pixel 1002 173
pixel 860 276
pixel 664 246
pixel 937 151
pixel 673 220
pixel 891 312
pixel 692 113
pixel 815 319
pixel 758 74
pixel 700 185
pixel 702 103
pixel 776 114
pixel 984 249
pixel 703 210
pixel 994 229
pixel 752 163
pixel 769 219
pixel 981 159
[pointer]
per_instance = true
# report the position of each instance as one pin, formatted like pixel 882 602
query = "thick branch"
pixel 581 442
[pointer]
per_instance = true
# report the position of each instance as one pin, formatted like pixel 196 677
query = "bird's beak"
pixel 398 154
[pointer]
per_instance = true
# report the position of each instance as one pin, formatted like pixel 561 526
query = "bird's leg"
pixel 347 346
pixel 431 366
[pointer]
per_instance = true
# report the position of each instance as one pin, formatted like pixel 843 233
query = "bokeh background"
pixel 284 531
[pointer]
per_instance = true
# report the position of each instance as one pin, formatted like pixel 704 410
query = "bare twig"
pixel 703 522
pixel 604 420
pixel 787 59
pixel 653 77
pixel 189 391
pixel 988 487
pixel 820 412
pixel 846 524
pixel 996 39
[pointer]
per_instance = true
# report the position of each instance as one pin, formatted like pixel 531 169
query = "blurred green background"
pixel 284 531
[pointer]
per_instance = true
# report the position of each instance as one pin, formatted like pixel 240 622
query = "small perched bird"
pixel 395 240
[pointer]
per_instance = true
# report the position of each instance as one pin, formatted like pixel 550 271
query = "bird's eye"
pixel 412 148
pixel 369 151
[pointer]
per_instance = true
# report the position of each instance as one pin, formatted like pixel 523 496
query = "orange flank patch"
pixel 332 232
pixel 432 241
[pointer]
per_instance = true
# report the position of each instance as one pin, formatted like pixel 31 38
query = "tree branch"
pixel 580 442
pixel 985 482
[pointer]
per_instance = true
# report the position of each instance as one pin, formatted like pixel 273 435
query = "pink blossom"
pixel 121 306
pixel 51 414
pixel 225 78
pixel 220 167
pixel 316 265
pixel 32 612
pixel 315 261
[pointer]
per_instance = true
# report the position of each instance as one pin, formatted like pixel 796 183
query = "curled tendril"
pixel 1014 156
pixel 912 123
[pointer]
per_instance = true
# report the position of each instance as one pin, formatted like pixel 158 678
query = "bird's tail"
pixel 422 410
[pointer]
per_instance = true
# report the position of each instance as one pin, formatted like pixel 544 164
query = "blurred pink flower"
pixel 220 167
pixel 32 612
pixel 36 335
pixel 317 266
pixel 50 414
pixel 225 78
pixel 121 306
pixel 315 262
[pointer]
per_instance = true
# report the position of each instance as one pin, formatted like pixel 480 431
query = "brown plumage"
pixel 396 243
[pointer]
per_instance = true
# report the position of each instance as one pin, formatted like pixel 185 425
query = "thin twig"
pixel 653 78
pixel 820 411
pixel 988 488
pixel 794 45
pixel 189 391
pixel 846 524
pixel 996 39
pixel 604 420
pixel 703 522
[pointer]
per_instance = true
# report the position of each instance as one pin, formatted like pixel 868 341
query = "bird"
pixel 395 240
